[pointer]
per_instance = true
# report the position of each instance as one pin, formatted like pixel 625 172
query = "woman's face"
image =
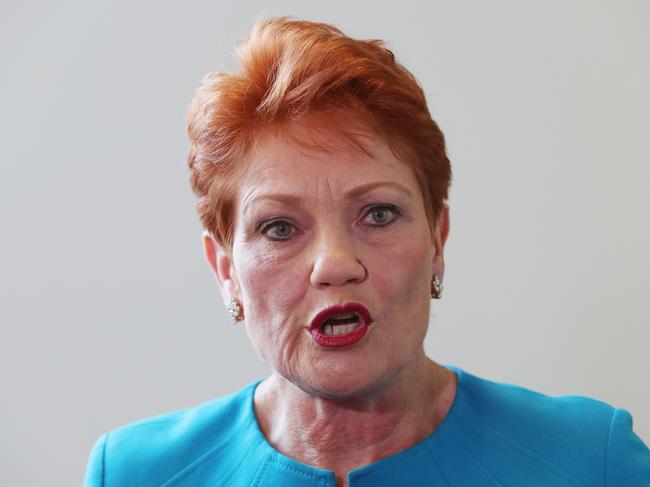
pixel 315 229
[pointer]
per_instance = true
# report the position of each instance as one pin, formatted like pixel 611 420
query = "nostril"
pixel 365 271
pixel 330 272
pixel 336 261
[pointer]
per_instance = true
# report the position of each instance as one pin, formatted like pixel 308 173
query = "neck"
pixel 342 435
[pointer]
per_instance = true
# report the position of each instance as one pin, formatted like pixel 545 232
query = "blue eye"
pixel 381 215
pixel 278 230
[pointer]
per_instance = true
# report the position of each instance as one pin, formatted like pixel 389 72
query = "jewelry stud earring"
pixel 436 287
pixel 235 310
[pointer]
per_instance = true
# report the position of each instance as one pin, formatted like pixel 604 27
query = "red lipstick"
pixel 325 317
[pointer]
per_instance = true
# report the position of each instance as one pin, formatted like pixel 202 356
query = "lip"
pixel 340 340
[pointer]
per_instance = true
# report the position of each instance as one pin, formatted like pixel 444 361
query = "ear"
pixel 221 263
pixel 439 239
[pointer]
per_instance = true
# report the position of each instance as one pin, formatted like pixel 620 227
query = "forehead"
pixel 311 159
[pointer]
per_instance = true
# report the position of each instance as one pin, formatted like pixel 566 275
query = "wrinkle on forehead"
pixel 324 192
pixel 273 165
pixel 336 130
pixel 274 154
pixel 320 189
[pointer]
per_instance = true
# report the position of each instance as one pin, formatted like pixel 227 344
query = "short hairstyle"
pixel 297 70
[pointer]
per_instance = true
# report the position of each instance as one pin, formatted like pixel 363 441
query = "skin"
pixel 317 228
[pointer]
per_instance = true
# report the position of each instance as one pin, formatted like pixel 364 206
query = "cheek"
pixel 403 282
pixel 408 272
pixel 272 289
pixel 269 282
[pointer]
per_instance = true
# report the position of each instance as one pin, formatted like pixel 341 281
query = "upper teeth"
pixel 342 316
pixel 330 327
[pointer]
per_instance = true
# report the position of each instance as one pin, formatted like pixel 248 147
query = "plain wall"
pixel 109 312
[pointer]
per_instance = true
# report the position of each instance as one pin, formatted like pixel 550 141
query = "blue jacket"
pixel 494 435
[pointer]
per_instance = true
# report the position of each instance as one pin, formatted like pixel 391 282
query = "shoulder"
pixel 152 451
pixel 506 405
pixel 583 438
pixel 628 458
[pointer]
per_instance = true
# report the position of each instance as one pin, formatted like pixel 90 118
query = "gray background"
pixel 109 313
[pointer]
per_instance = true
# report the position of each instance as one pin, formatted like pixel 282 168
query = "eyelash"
pixel 392 208
pixel 268 226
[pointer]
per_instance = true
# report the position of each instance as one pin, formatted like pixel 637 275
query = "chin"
pixel 343 383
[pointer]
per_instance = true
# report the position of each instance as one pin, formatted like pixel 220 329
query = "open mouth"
pixel 341 323
pixel 340 326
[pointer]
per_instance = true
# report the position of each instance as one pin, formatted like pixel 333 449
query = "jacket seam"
pixel 188 469
pixel 260 475
pixel 296 471
pixel 530 457
pixel 609 436
pixel 197 462
pixel 232 471
pixel 488 475
pixel 439 473
pixel 103 475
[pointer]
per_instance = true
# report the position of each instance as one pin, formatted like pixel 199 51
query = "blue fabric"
pixel 494 435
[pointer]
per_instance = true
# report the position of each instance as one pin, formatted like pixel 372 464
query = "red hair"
pixel 296 70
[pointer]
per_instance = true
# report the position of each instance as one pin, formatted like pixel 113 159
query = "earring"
pixel 436 287
pixel 235 310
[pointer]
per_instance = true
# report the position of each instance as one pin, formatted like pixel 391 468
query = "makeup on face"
pixel 341 325
pixel 332 251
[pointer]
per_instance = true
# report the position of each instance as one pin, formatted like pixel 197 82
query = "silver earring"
pixel 235 310
pixel 436 287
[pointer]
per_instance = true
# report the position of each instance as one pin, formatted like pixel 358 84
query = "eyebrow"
pixel 366 188
pixel 287 199
pixel 357 192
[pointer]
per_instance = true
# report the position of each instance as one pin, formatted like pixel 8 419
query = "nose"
pixel 336 262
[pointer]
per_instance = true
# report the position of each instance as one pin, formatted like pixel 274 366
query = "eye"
pixel 278 230
pixel 381 215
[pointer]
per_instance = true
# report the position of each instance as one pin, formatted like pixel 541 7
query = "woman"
pixel 322 183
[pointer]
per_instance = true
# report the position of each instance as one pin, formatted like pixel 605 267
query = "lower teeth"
pixel 333 330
